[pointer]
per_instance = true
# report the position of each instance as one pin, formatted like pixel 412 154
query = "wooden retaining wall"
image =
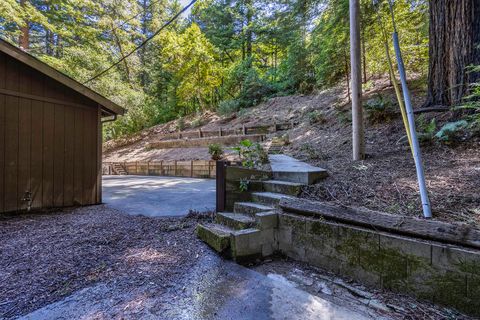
pixel 203 142
pixel 192 168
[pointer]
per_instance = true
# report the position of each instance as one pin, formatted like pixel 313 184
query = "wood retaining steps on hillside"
pixel 203 142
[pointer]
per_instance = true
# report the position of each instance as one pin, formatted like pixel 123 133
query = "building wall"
pixel 49 141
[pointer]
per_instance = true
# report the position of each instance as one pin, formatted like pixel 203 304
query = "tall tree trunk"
pixel 24 38
pixel 249 34
pixel 454 28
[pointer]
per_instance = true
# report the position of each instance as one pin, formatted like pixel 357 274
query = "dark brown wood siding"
pixel 50 141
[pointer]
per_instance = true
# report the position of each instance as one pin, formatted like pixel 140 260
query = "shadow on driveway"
pixel 158 196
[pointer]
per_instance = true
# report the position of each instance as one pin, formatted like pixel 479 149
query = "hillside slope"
pixel 386 180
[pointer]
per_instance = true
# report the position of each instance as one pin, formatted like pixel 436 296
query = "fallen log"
pixel 450 233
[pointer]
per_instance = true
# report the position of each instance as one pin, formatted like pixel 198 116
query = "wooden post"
pixel 220 131
pixel 200 135
pixel 161 168
pixel 136 167
pixel 175 170
pixel 358 138
pixel 148 168
pixel 191 168
pixel 221 186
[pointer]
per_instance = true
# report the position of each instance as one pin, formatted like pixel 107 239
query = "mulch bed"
pixel 386 180
pixel 47 256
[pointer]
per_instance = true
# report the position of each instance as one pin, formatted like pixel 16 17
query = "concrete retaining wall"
pixel 232 184
pixel 443 274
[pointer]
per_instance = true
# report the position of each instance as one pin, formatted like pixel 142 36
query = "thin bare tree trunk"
pixel 24 38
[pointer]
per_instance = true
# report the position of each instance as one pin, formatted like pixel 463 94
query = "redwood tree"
pixel 454 39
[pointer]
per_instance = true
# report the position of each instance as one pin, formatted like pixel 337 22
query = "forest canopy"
pixel 223 55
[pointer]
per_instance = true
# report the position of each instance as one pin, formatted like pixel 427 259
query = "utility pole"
pixel 358 136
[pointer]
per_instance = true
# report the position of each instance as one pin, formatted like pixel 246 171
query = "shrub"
pixel 315 117
pixel 216 151
pixel 425 129
pixel 197 123
pixel 313 153
pixel 228 107
pixel 452 132
pixel 379 109
pixel 251 154
pixel 180 124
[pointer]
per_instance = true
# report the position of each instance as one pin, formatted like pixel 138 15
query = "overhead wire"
pixel 143 43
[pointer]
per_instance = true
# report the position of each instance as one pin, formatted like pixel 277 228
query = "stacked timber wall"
pixel 50 142
pixel 191 168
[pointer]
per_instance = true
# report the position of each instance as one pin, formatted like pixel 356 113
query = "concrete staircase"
pixel 249 232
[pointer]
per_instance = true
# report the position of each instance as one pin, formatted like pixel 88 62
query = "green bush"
pixel 251 154
pixel 452 132
pixel 228 107
pixel 426 129
pixel 216 151
pixel 315 117
pixel 379 109
pixel 180 124
pixel 197 122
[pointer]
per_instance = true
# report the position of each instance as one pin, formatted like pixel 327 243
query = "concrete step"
pixel 236 221
pixel 269 198
pixel 246 245
pixel 251 208
pixel 284 187
pixel 215 235
pixel 290 169
pixel 266 220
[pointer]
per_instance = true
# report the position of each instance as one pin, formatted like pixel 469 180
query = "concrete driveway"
pixel 158 196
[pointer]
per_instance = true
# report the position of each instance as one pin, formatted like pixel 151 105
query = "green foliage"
pixel 313 153
pixel 251 154
pixel 426 129
pixel 180 124
pixel 452 132
pixel 227 55
pixel 315 117
pixel 243 185
pixel 228 107
pixel 379 109
pixel 216 151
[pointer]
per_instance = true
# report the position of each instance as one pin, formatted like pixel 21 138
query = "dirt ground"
pixel 80 253
pixel 47 256
pixel 343 291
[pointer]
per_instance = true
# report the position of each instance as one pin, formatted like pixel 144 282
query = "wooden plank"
pixel 78 164
pixel 2 151
pixel 460 234
pixel 24 152
pixel 99 155
pixel 89 148
pixel 93 154
pixel 19 55
pixel 59 155
pixel 48 154
pixel 69 147
pixel 11 153
pixel 37 97
pixel 36 165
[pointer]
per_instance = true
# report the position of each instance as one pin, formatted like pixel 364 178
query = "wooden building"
pixel 50 135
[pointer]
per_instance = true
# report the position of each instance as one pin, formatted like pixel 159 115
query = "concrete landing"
pixel 158 196
pixel 214 289
pixel 290 169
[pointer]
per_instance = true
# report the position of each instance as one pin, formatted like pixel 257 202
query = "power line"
pixel 143 43
pixel 135 16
